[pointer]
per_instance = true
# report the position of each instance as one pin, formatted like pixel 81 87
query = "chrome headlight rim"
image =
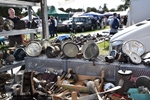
pixel 117 43
pixel 133 46
pixel 32 51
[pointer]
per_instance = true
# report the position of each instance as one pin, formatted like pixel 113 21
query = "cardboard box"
pixel 79 85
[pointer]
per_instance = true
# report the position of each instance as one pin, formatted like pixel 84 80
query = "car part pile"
pixel 58 86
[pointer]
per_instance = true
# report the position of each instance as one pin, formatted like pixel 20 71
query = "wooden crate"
pixel 79 85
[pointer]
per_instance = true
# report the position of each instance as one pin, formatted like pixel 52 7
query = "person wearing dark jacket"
pixel 112 30
pixel 51 26
pixel 14 39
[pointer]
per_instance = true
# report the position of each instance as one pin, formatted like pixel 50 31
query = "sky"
pixel 75 4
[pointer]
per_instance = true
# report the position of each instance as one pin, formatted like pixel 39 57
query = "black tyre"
pixel 92 28
pixel 82 29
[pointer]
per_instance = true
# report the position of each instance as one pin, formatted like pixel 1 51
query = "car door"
pixel 89 23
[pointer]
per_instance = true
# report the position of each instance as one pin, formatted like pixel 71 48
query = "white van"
pixel 139 32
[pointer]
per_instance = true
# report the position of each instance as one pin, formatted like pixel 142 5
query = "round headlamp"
pixel 70 49
pixel 33 48
pixel 133 46
pixel 90 50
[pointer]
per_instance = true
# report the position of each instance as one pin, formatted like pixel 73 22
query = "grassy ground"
pixel 104 47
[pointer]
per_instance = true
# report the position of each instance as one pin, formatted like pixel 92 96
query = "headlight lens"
pixel 78 25
pixel 116 45
pixel 133 46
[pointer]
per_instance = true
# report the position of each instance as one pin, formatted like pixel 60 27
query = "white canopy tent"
pixel 27 17
pixel 122 13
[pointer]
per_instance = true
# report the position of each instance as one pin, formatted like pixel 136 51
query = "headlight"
pixel 133 46
pixel 116 45
pixel 33 48
pixel 78 25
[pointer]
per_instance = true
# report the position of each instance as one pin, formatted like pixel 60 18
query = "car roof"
pixel 82 16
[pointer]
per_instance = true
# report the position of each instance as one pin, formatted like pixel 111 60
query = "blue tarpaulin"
pixel 93 14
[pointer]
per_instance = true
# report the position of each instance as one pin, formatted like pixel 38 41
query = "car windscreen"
pixel 80 19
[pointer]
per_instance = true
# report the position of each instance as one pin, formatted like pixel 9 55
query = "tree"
pixel 39 12
pixel 62 9
pixel 69 10
pixel 105 9
pixel 112 10
pixel 121 8
pixel 88 9
pixel 94 9
pixel 125 6
pixel 79 10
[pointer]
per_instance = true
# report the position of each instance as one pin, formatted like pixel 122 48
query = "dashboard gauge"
pixel 34 48
pixel 133 46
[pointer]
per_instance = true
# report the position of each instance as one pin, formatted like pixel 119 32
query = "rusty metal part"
pixel 45 43
pixel 8 25
pixel 53 50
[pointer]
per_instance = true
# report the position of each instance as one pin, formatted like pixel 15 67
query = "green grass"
pixel 103 47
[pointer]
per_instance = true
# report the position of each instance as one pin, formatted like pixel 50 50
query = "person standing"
pixel 105 20
pixel 74 26
pixel 15 39
pixel 125 18
pixel 51 26
pixel 56 23
pixel 113 30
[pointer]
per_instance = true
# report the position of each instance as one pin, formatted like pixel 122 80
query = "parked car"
pixel 64 25
pixel 83 23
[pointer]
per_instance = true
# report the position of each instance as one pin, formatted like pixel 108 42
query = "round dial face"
pixel 33 49
pixel 133 46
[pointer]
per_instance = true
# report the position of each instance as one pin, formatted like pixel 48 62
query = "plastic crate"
pixel 138 70
pixel 134 94
pixel 83 67
pixel 40 64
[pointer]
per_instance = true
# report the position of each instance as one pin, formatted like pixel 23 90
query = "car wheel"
pixel 92 28
pixel 82 29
